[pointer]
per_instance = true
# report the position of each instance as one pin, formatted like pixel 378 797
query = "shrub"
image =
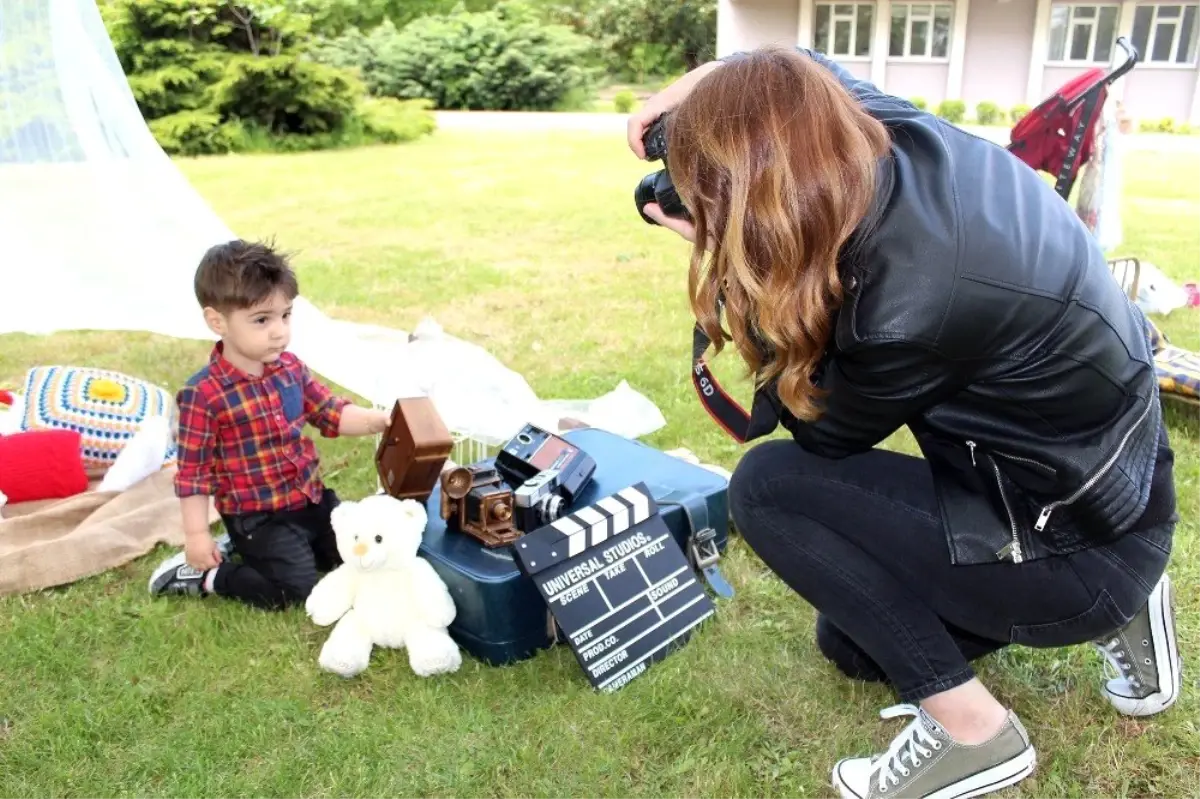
pixel 283 95
pixel 953 111
pixel 1018 112
pixel 196 133
pixel 502 59
pixel 920 102
pixel 642 38
pixel 623 101
pixel 988 113
pixel 215 76
pixel 391 121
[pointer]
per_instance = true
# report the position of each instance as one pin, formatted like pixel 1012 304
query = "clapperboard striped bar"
pixel 617 583
pixel 576 532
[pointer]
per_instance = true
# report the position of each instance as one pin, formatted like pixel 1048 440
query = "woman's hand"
pixel 681 226
pixel 661 103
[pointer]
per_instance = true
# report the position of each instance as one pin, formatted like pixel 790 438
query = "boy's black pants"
pixel 282 554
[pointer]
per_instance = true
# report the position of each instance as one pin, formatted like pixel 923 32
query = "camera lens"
pixel 549 508
pixel 668 200
pixel 644 193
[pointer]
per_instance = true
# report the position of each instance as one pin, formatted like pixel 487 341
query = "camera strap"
pixel 723 408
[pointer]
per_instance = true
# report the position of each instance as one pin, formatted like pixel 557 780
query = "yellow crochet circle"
pixel 105 390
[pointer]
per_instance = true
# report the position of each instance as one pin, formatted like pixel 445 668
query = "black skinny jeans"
pixel 861 539
pixel 282 555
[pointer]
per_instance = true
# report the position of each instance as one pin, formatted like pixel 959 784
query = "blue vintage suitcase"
pixel 501 616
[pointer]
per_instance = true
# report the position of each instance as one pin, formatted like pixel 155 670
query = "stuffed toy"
pixel 383 594
pixel 41 464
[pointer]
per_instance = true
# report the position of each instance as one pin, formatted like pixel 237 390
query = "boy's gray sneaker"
pixel 924 761
pixel 1142 658
pixel 225 545
pixel 175 576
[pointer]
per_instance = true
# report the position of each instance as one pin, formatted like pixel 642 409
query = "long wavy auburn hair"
pixel 777 163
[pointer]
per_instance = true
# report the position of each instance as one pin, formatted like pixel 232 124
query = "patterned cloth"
pixel 106 408
pixel 1178 369
pixel 241 437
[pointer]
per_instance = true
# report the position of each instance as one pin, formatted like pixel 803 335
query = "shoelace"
pixel 914 742
pixel 1116 664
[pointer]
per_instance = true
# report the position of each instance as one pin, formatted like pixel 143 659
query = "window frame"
pixel 908 57
pixel 1091 60
pixel 853 19
pixel 1144 61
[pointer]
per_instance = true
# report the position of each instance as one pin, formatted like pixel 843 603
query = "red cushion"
pixel 41 464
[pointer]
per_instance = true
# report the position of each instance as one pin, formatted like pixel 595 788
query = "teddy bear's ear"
pixel 338 516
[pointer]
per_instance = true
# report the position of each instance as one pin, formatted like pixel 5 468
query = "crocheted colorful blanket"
pixel 106 407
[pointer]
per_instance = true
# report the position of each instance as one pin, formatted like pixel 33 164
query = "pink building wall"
pixel 997 59
pixel 999 42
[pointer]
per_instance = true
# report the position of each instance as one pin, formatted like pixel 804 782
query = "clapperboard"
pixel 617 583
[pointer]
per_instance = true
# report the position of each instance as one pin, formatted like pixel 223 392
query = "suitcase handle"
pixel 702 547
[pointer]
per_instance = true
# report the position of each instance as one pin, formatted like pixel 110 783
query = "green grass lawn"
pixel 524 244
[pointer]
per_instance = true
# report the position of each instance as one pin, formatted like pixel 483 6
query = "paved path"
pixel 517 121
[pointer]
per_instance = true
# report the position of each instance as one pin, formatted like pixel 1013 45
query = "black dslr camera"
pixel 657 186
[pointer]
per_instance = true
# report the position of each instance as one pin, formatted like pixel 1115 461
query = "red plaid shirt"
pixel 241 438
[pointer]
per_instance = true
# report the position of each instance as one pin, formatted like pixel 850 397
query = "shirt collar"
pixel 223 369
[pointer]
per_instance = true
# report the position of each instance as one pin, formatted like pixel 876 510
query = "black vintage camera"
pixel 657 186
pixel 533 451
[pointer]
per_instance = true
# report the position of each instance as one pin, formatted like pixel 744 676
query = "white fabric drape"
pixel 99 230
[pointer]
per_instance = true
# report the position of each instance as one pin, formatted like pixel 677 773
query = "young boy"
pixel 241 440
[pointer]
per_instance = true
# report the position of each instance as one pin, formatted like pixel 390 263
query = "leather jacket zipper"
pixel 1013 548
pixel 1044 516
pixel 1018 459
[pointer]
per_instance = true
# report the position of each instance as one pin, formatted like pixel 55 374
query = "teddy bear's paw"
pixel 432 653
pixel 344 662
pixel 321 610
pixel 322 617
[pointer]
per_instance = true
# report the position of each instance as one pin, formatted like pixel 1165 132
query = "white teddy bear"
pixel 383 594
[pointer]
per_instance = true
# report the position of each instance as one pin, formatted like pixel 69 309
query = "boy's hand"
pixel 201 550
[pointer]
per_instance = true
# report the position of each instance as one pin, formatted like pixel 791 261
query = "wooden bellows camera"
pixel 413 450
pixel 477 501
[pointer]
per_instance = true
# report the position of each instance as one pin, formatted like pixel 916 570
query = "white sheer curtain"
pixel 99 230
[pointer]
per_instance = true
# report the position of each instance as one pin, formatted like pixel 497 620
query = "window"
pixel 1165 34
pixel 920 30
pixel 1084 34
pixel 844 29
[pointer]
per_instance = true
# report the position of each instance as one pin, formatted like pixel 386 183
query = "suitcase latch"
pixel 705 554
pixel 704 548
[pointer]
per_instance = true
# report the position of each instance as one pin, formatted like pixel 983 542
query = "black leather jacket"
pixel 982 314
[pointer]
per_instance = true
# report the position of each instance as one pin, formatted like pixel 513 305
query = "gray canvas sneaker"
pixel 1142 658
pixel 924 761
pixel 175 576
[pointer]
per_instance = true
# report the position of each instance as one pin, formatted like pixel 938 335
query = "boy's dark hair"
pixel 240 274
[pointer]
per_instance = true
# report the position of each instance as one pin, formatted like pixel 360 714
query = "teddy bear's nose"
pixel 360 549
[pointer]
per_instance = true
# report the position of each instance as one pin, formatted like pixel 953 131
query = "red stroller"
pixel 1056 137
